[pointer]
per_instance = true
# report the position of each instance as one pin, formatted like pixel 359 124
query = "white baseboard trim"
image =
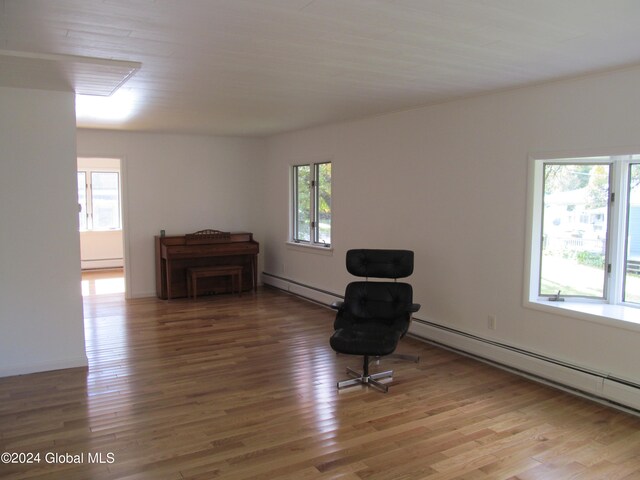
pixel 59 364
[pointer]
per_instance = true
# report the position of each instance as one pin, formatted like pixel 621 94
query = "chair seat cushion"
pixel 365 339
pixel 344 319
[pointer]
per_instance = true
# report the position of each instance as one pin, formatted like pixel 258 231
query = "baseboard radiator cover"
pixel 316 295
pixel 598 386
pixel 98 263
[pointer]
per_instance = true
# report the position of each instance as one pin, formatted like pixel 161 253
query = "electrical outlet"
pixel 492 321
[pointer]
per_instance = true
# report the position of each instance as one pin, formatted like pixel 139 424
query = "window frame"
pixel 314 211
pixel 611 309
pixel 89 199
pixel 593 161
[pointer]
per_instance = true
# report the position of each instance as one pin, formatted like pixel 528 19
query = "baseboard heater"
pixel 101 263
pixel 598 386
pixel 313 294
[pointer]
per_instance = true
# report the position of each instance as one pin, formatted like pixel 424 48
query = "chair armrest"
pixel 414 307
pixel 337 305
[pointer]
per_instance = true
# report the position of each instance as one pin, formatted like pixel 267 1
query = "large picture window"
pixel 585 241
pixel 311 204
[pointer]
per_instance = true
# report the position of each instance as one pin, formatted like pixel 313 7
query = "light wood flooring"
pixel 102 282
pixel 244 388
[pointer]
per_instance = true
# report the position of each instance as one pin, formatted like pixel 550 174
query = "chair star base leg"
pixel 365 378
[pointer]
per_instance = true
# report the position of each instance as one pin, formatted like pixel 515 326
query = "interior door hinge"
pixel 609 268
pixel 613 197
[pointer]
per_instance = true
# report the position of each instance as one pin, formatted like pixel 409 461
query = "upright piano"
pixel 175 254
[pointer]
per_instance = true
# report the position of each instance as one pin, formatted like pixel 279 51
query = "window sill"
pixel 619 316
pixel 303 247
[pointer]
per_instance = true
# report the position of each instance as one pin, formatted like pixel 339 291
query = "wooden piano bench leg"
pixel 192 284
pixel 195 287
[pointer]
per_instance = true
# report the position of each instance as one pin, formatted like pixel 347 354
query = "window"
pixel 82 200
pixel 99 200
pixel 585 231
pixel 311 204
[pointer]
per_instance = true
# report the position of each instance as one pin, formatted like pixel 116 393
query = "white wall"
pixel 450 182
pixel 180 184
pixel 101 249
pixel 41 325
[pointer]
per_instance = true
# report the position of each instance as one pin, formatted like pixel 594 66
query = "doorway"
pixel 101 225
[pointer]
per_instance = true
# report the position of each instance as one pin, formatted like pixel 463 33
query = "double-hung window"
pixel 585 230
pixel 311 204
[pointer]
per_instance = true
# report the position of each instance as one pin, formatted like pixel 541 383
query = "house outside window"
pixel 585 230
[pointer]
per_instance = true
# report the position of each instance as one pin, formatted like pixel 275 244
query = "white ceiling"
pixel 258 67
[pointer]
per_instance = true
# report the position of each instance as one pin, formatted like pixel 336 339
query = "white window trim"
pixel 313 248
pixel 311 245
pixel 619 315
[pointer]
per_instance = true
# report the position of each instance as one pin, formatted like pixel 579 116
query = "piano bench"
pixel 233 271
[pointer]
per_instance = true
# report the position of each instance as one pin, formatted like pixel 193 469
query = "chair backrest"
pixel 379 300
pixel 377 263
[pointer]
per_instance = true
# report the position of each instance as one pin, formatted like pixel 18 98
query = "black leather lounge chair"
pixel 374 314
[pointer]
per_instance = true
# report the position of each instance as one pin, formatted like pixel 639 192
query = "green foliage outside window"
pixel 312 203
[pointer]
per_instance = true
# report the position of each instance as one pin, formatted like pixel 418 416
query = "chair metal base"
pixel 365 378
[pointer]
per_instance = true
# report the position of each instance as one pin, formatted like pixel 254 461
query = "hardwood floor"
pixel 244 387
pixel 102 281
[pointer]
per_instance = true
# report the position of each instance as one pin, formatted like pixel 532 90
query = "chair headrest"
pixel 379 263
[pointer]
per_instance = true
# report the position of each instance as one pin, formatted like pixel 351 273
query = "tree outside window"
pixel 312 204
